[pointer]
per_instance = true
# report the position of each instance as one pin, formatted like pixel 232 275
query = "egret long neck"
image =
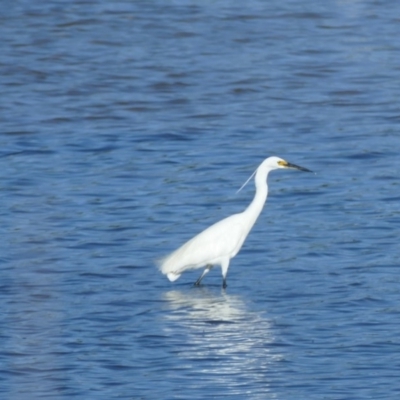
pixel 255 207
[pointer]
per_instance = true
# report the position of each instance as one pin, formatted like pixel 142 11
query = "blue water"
pixel 127 127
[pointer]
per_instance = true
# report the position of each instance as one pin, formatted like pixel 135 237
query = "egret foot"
pixel 208 267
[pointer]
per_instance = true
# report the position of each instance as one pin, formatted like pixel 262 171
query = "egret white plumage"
pixel 220 242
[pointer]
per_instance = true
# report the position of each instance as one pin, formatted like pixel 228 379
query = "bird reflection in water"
pixel 223 341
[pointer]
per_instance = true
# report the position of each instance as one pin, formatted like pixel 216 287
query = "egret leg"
pixel 206 271
pixel 224 268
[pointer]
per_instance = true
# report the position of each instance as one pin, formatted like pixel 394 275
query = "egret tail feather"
pixel 172 276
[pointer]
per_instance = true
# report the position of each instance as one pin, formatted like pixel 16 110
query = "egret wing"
pixel 221 240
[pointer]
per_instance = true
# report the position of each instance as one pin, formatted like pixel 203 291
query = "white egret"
pixel 220 242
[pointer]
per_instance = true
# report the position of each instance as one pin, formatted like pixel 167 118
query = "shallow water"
pixel 127 127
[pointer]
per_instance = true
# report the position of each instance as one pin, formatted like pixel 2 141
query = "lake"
pixel 128 127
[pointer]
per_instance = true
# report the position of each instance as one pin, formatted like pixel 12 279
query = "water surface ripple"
pixel 127 127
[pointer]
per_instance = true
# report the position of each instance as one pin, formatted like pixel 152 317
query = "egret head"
pixel 270 164
pixel 276 162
